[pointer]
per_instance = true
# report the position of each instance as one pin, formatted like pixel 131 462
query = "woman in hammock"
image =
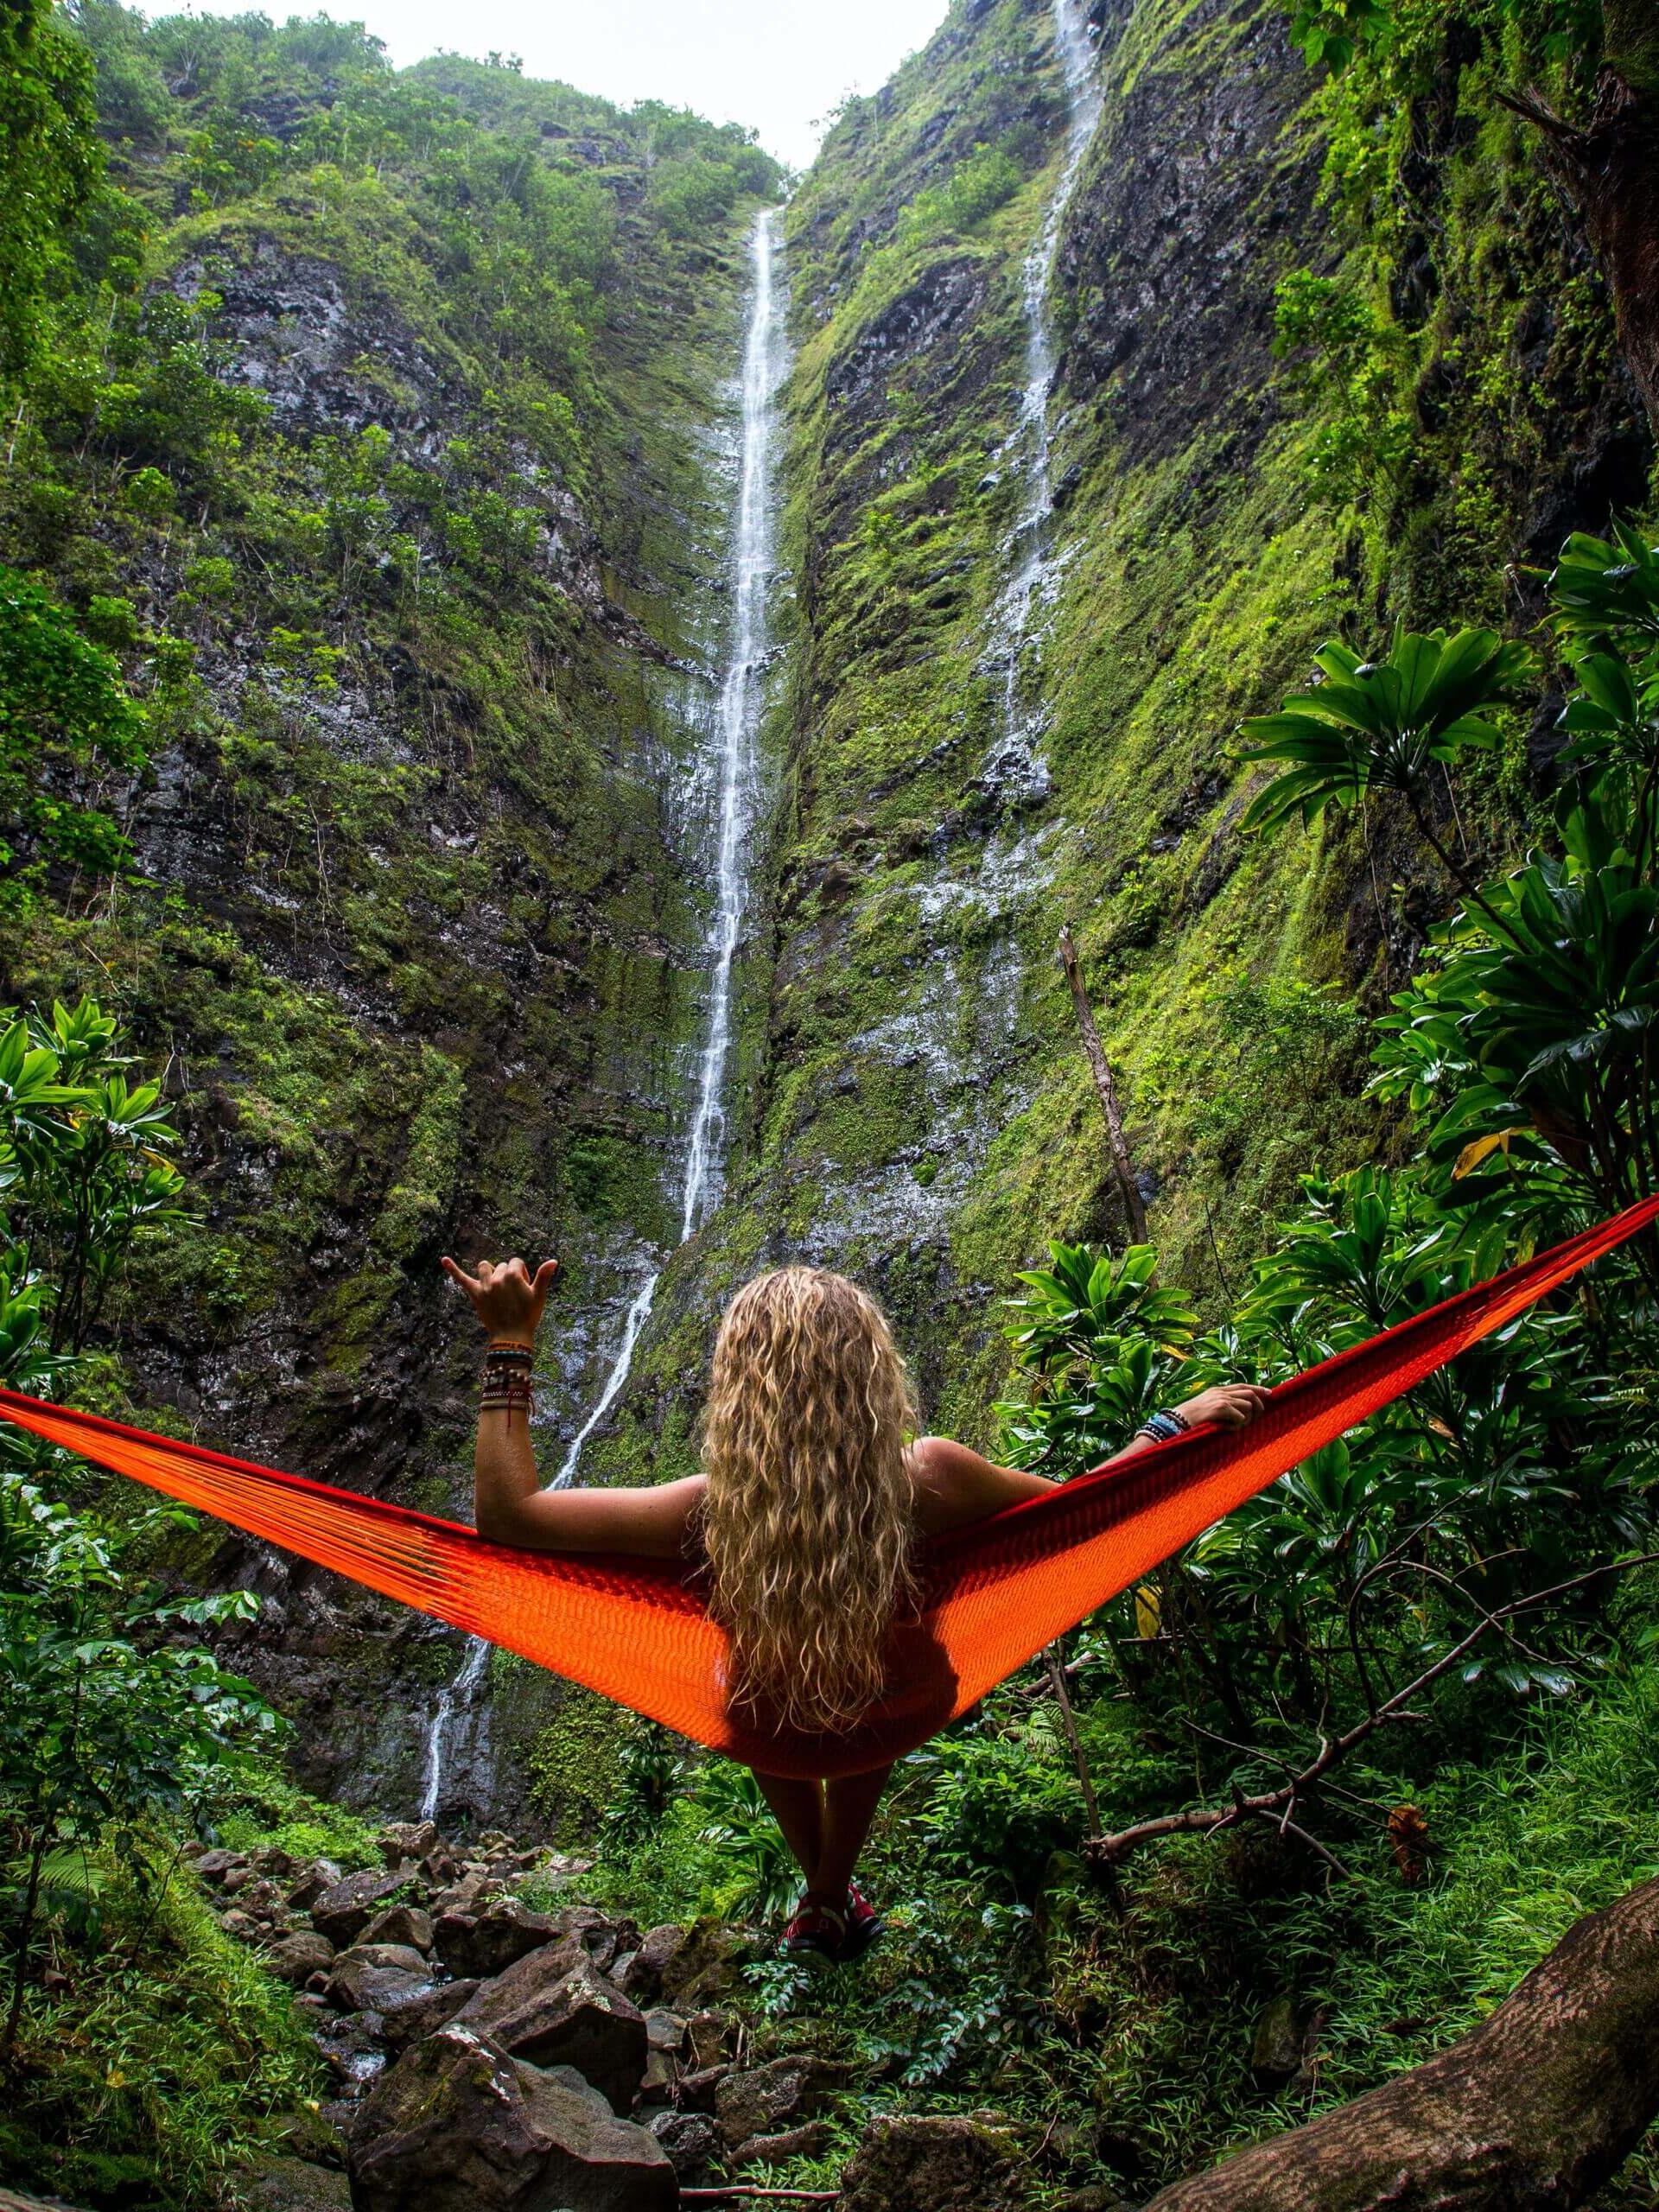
pixel 814 1492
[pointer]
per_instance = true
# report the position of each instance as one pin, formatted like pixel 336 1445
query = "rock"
pixel 295 1958
pixel 554 2008
pixel 278 2184
pixel 1276 2047
pixel 931 2162
pixel 242 1925
pixel 694 2092
pixel 405 2019
pixel 762 2100
pixel 214 1865
pixel 400 1923
pixel 402 1839
pixel 343 1912
pixel 457 2125
pixel 322 1874
pixel 371 1977
pixel 440 1866
pixel 657 2084
pixel 1094 2196
pixel 706 1965
pixel 350 2046
pixel 711 2037
pixel 642 1978
pixel 488 1940
pixel 690 2141
pixel 810 2140
pixel 664 2030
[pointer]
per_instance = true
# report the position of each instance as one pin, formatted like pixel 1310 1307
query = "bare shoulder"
pixel 955 1483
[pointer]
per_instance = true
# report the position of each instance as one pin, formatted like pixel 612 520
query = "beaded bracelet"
pixel 1161 1427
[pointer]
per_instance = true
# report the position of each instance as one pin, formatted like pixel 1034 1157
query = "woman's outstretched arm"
pixel 510 1505
pixel 955 1485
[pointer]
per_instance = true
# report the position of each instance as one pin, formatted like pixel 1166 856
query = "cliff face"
pixel 430 377
pixel 956 782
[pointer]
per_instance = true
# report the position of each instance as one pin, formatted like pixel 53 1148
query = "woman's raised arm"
pixel 955 1485
pixel 510 1505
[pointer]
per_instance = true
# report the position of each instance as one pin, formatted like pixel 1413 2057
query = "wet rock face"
pixel 324 358
pixel 1190 210
pixel 457 2125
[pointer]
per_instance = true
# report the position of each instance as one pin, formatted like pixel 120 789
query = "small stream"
pixel 733 737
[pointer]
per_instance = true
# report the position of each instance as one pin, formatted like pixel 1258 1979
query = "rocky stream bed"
pixel 490 2048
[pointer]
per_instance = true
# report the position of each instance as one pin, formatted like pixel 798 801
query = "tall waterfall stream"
pixel 732 741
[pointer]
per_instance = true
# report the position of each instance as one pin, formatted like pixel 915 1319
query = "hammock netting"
pixel 993 1594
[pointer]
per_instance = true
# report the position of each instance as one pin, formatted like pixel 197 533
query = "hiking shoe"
pixel 815 1935
pixel 865 1926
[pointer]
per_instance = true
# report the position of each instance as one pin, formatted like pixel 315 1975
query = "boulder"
pixel 810 2140
pixel 664 2030
pixel 554 2008
pixel 406 2017
pixel 712 2038
pixel 242 1925
pixel 371 1977
pixel 765 2100
pixel 708 1965
pixel 487 1940
pixel 400 1923
pixel 322 1874
pixel 402 1839
pixel 457 2125
pixel 691 2144
pixel 931 2161
pixel 642 1976
pixel 694 2092
pixel 213 1866
pixel 295 1958
pixel 343 1912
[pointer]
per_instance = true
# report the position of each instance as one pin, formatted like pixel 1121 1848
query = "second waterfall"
pixel 733 749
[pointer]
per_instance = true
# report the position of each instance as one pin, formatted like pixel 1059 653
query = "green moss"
pixel 572 1765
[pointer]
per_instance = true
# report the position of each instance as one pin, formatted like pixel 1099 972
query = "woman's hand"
pixel 1228 1405
pixel 507 1298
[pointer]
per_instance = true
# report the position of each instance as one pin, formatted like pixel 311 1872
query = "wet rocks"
pixel 768 2100
pixel 400 1923
pixel 343 1912
pixel 458 2126
pixel 556 2009
pixel 295 1958
pixel 486 1940
pixel 642 1976
pixel 931 2161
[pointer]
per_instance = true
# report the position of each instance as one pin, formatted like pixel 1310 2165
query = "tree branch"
pixel 1210 1819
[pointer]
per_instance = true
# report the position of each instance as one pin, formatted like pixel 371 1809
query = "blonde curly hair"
pixel 808 1519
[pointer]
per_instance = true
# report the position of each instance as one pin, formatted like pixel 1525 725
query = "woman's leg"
pixel 849 1803
pixel 797 1808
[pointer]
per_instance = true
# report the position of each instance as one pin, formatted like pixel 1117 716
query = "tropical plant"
pixel 1384 726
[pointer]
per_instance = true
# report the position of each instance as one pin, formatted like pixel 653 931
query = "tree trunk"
pixel 1610 168
pixel 1105 1088
pixel 1530 2111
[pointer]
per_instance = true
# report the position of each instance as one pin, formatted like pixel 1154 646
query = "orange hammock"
pixel 993 1593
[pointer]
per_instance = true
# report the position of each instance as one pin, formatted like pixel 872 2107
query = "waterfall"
pixel 1031 533
pixel 734 736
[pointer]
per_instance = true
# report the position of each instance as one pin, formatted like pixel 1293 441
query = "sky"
pixel 778 66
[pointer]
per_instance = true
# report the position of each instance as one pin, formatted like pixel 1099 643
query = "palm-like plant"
pixel 1382 726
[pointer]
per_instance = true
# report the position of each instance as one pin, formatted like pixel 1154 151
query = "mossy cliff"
pixel 383 437
pixel 1326 358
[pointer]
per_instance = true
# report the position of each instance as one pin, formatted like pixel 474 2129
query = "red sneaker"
pixel 815 1935
pixel 865 1925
